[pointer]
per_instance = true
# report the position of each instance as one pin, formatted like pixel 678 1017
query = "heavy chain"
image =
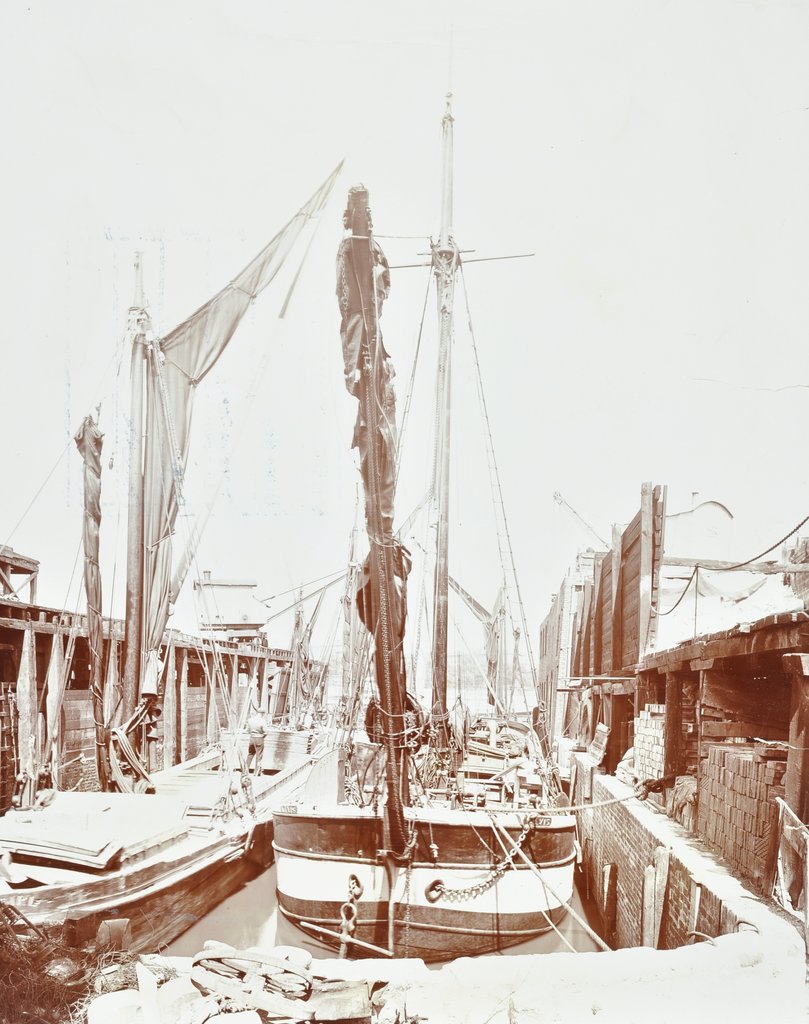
pixel 348 913
pixel 437 890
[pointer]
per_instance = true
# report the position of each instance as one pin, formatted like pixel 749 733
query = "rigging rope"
pixel 117 355
pixel 302 586
pixel 730 568
pixel 548 887
pixel 545 914
pixel 494 474
pixel 39 491
pixel 778 543
pixel 411 382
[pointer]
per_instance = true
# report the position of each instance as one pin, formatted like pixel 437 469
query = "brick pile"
pixel 649 742
pixel 737 809
pixel 8 768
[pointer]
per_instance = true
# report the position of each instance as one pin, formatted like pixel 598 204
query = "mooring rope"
pixel 640 793
pixel 548 887
pixel 545 913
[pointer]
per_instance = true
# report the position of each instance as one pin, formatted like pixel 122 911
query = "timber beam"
pixel 715 563
pixel 782 632
pixel 796 781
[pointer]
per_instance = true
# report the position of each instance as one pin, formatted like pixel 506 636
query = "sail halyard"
pixel 446 259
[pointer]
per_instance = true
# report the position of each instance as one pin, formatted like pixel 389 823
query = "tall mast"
pixel 445 264
pixel 138 326
pixel 349 610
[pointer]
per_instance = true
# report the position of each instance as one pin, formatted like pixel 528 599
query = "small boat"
pixel 463 848
pixel 151 864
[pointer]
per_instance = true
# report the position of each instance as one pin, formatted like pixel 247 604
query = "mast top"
pixel 137 302
pixel 446 185
pixel 140 324
pixel 357 215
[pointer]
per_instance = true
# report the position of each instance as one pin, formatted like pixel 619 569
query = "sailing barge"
pixel 158 849
pixel 441 869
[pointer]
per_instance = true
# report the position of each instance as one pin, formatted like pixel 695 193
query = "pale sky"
pixel 654 155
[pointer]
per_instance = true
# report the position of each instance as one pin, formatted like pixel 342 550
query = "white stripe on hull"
pixel 517 891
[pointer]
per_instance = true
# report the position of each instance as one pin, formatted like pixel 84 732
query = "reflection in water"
pixel 250 918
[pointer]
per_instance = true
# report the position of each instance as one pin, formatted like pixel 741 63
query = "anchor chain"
pixel 348 913
pixel 437 890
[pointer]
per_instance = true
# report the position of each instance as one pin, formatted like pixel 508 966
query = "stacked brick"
pixel 737 809
pixel 78 743
pixel 650 742
pixel 8 768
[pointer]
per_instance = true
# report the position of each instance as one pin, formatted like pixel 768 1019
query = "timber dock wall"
pixel 43 648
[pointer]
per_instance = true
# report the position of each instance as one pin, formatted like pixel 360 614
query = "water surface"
pixel 250 918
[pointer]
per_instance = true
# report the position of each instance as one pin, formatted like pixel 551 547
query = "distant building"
pixel 229 609
pixel 557 636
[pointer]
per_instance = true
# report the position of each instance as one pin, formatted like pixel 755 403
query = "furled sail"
pixel 402 563
pixel 376 442
pixel 177 364
pixel 363 281
pixel 89 441
pixel 357 309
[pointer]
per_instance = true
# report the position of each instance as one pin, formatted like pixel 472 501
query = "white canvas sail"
pixel 176 365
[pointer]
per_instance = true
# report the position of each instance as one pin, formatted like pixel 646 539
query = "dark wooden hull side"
pixel 455 843
pixel 163 917
pixel 432 934
pixel 159 903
